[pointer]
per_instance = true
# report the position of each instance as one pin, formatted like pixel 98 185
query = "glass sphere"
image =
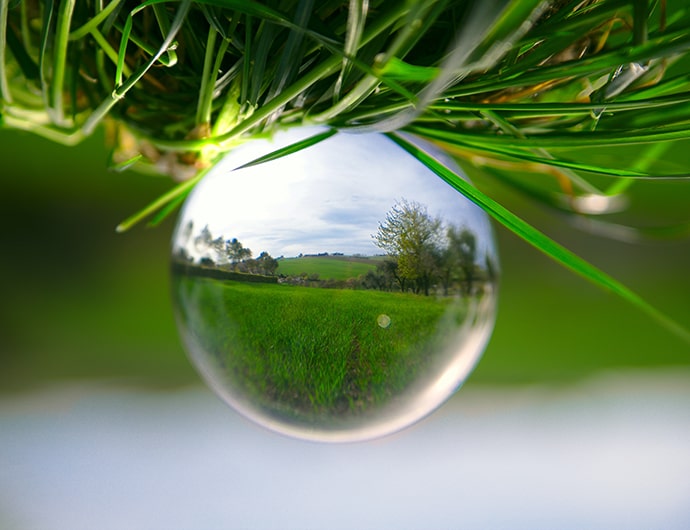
pixel 339 293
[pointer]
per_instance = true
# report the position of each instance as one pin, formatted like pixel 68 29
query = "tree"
pixel 182 255
pixel 414 238
pixel 388 268
pixel 462 246
pixel 186 234
pixel 267 264
pixel 372 280
pixel 448 268
pixel 218 246
pixel 384 276
pixel 248 266
pixel 202 242
pixel 236 252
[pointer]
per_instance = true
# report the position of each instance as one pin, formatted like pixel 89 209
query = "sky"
pixel 330 197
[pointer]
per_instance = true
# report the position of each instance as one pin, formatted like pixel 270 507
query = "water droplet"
pixel 339 293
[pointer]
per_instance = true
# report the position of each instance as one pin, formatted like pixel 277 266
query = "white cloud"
pixel 327 198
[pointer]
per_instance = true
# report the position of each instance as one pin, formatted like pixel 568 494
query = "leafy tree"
pixel 372 280
pixel 218 246
pixel 448 268
pixel 202 242
pixel 236 252
pixel 186 234
pixel 491 268
pixel 388 269
pixel 457 262
pixel 464 243
pixel 182 255
pixel 414 238
pixel 247 265
pixel 384 277
pixel 267 264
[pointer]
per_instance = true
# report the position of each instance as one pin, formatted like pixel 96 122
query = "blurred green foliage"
pixel 80 301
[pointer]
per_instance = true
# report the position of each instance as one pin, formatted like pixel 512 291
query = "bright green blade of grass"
pixel 160 203
pixel 570 164
pixel 4 83
pixel 356 18
pixel 44 55
pixel 94 22
pixel 288 68
pixel 168 209
pixel 558 140
pixel 292 148
pixel 539 110
pixel 537 239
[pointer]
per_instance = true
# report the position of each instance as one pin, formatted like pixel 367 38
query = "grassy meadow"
pixel 327 267
pixel 310 352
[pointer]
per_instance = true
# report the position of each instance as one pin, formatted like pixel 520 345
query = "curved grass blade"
pixel 5 94
pixel 27 65
pixel 290 149
pixel 537 239
pixel 168 209
pixel 558 140
pixel 44 51
pixel 160 203
pixel 208 79
pixel 57 90
pixel 94 22
pixel 539 110
pixel 288 68
pixel 569 164
pixel 356 18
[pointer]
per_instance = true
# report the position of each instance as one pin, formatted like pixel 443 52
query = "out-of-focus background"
pixel 578 415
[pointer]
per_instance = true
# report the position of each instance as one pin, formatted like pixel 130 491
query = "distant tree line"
pixel 422 255
pixel 226 254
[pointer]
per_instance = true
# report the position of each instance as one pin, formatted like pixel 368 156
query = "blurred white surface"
pixel 611 452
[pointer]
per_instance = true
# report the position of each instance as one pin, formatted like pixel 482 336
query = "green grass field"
pixel 313 353
pixel 327 267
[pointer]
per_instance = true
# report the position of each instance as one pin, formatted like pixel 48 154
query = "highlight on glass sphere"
pixel 339 293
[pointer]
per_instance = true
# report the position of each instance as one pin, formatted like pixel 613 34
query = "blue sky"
pixel 327 198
